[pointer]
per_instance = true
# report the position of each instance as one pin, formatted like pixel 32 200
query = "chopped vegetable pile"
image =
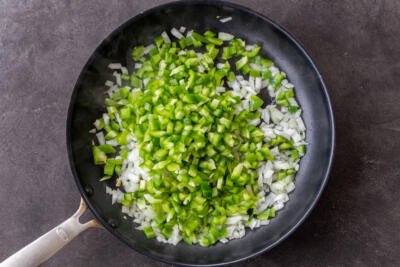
pixel 186 150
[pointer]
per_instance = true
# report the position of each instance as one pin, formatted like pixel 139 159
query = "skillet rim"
pixel 216 3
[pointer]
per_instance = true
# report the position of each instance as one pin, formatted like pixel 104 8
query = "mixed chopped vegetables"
pixel 186 150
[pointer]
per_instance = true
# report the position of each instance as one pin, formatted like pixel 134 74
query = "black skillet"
pixel 87 104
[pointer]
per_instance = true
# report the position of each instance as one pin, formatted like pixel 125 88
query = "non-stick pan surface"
pixel 87 105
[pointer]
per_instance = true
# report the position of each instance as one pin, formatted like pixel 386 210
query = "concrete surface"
pixel 356 44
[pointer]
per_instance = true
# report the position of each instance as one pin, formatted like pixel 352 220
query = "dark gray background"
pixel 356 44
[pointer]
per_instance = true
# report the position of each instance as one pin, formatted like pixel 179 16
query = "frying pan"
pixel 87 104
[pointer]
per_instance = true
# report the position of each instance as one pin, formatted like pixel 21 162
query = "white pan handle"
pixel 48 244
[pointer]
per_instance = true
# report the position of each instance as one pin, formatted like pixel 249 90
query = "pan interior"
pixel 87 105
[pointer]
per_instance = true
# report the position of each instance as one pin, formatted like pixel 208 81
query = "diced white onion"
pixel 176 33
pixel 117 78
pixel 114 66
pixel 225 36
pixel 224 20
pixel 182 29
pixel 150 47
pixel 109 83
pixel 165 36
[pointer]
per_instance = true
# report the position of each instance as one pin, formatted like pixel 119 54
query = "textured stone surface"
pixel 356 44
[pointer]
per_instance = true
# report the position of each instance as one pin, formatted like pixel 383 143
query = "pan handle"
pixel 48 244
